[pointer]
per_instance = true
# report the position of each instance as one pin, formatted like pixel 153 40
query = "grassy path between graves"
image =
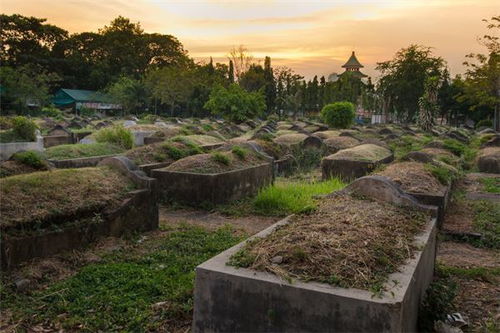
pixel 143 282
pixel 467 277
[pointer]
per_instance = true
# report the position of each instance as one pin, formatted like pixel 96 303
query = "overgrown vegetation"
pixel 487 222
pixel 444 174
pixel 239 151
pixel 146 287
pixel 30 158
pixel 116 135
pixel 79 150
pixel 491 184
pixel 338 114
pixel 221 158
pixel 329 245
pixel 21 129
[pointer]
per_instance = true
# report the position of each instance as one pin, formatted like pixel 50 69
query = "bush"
pixel 339 114
pixel 116 135
pixel 5 123
pixel 24 128
pixel 235 103
pixel 240 152
pixel 484 123
pixel 51 111
pixel 30 158
pixel 220 158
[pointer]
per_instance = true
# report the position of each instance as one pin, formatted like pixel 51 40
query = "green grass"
pixel 487 222
pixel 475 273
pixel 288 197
pixel 407 144
pixel 81 150
pixel 118 293
pixel 491 184
pixel 444 174
pixel 220 158
pixel 240 152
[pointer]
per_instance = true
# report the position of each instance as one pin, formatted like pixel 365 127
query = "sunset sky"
pixel 312 37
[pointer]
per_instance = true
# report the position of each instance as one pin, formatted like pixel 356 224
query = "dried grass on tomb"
pixel 41 196
pixel 413 177
pixel 347 241
pixel 206 163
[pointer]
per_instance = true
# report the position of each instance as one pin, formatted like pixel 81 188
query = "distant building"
pixel 352 66
pixel 78 99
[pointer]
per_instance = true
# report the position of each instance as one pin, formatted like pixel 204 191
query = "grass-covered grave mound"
pixel 363 153
pixel 290 139
pixel 201 140
pixel 347 242
pixel 80 150
pixel 414 177
pixel 217 162
pixel 47 198
pixel 161 152
pixel 335 144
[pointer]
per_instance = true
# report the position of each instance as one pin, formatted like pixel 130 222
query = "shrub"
pixel 235 103
pixel 221 158
pixel 117 135
pixel 5 123
pixel 174 152
pixel 339 114
pixel 30 158
pixel 455 146
pixel 24 128
pixel 240 152
pixel 484 123
pixel 51 111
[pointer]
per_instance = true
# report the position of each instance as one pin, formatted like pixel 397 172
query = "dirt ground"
pixel 214 220
pixel 478 298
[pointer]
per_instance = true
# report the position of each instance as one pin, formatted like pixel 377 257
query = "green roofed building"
pixel 352 67
pixel 78 99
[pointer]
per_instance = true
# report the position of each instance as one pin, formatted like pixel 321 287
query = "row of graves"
pixel 361 261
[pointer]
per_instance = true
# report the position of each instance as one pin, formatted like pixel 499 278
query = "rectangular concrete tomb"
pixel 355 162
pixel 230 299
pixel 215 188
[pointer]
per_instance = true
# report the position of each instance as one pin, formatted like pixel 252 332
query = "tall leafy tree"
pixel 403 79
pixel 482 78
pixel 28 41
pixel 270 86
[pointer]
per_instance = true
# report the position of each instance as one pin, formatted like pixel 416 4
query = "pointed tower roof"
pixel 352 62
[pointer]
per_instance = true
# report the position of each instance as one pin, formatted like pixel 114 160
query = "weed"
pixel 487 222
pixel 116 135
pixel 437 302
pixel 118 294
pixel 286 198
pixel 240 152
pixel 491 184
pixel 174 152
pixel 455 146
pixel 445 175
pixel 207 127
pixel 221 158
pixel 30 158
pixel 63 152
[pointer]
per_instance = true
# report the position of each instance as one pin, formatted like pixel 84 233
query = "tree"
pixel 234 103
pixel 28 41
pixel 427 103
pixel 338 114
pixel 270 86
pixel 171 86
pixel 231 72
pixel 403 79
pixel 482 78
pixel 253 79
pixel 241 60
pixel 27 84
pixel 130 93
